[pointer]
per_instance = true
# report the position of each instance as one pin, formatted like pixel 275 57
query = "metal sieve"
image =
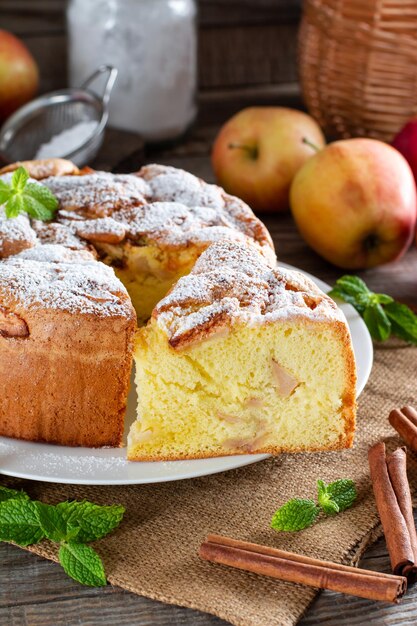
pixel 38 121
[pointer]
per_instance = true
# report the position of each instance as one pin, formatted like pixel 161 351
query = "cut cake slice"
pixel 241 357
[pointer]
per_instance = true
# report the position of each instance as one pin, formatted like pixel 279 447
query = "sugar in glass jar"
pixel 153 44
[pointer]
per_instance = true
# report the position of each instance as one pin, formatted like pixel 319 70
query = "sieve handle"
pixel 109 84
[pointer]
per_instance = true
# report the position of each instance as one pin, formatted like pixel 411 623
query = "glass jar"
pixel 153 45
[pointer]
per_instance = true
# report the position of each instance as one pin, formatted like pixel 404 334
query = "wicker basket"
pixel 358 65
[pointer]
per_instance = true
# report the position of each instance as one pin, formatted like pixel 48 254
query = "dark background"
pixel 247 49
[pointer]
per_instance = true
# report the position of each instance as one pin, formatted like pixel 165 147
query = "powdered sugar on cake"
pixel 160 204
pixel 233 283
pixel 87 287
pixel 55 253
pixel 16 234
pixel 172 224
pixel 98 194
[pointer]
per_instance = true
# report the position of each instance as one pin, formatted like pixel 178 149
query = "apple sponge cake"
pixel 66 340
pixel 242 358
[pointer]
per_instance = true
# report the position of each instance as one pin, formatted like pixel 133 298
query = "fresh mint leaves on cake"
pixel 22 196
pixel 298 514
pixel 383 315
pixel 70 524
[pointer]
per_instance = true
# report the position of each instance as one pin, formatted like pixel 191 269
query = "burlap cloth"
pixel 154 552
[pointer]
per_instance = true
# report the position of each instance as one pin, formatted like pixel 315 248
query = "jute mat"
pixel 154 552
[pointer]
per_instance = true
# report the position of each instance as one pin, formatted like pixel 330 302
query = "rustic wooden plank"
pixel 247 55
pixel 219 104
pixel 24 580
pixel 37 592
pixel 103 611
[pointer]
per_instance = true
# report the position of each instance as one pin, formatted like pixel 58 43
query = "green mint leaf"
pixel 92 520
pixel 403 321
pixel 341 295
pixel 296 514
pixel 329 506
pixel 54 522
pixel 321 489
pixel 381 298
pixel 19 522
pixel 353 290
pixel 5 192
pixel 14 206
pixel 381 313
pixel 36 209
pixel 33 198
pixel 353 286
pixel 43 195
pixel 83 564
pixel 342 492
pixel 377 322
pixel 79 522
pixel 401 333
pixel 11 494
pixel 19 179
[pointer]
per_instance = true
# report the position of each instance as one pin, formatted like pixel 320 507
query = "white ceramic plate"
pixel 60 464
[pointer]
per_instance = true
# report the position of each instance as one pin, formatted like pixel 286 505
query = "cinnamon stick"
pixel 301 569
pixel 405 423
pixel 397 470
pixel 393 500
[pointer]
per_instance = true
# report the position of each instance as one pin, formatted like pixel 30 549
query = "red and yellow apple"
pixel 355 203
pixel 258 151
pixel 18 74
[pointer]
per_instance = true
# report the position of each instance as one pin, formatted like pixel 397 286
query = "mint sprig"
pixel 297 514
pixel 22 196
pixel 70 524
pixel 383 315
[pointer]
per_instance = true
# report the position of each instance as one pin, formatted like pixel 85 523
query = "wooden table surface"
pixel 35 592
